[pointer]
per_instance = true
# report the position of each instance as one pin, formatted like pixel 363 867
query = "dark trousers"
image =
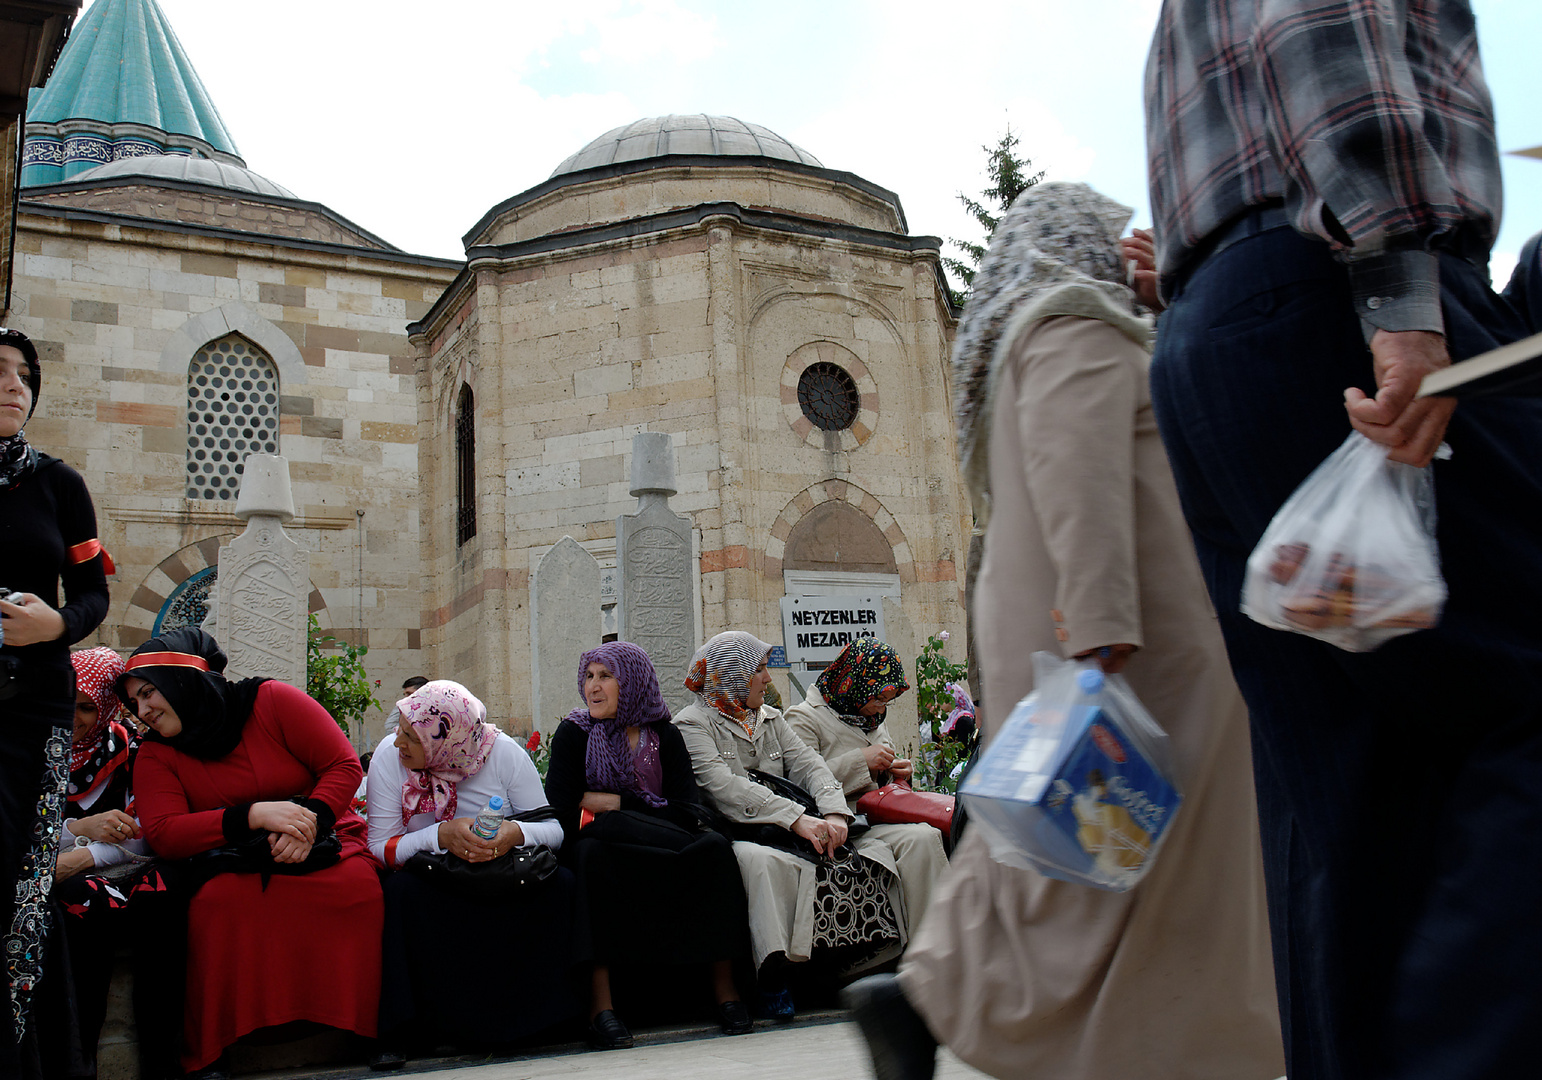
pixel 1400 791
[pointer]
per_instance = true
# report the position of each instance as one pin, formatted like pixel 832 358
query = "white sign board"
pixel 817 628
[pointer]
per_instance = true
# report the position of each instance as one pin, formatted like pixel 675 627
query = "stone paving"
pixel 820 1047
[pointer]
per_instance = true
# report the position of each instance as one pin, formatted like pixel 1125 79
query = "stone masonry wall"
pixel 118 313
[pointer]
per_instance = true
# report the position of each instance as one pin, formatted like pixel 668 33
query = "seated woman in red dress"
pixel 227 761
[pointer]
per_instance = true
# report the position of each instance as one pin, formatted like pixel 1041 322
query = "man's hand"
pixel 1140 248
pixel 1411 429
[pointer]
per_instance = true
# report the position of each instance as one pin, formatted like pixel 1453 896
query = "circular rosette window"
pixel 828 397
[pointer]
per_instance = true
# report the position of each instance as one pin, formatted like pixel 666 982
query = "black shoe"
pixel 210 1072
pixel 734 1018
pixel 607 1032
pixel 387 1060
pixel 901 1046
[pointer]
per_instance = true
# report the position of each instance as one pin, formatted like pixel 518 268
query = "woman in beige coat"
pixel 842 720
pixel 802 903
pixel 1086 553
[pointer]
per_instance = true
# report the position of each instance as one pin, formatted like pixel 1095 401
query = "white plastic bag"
pixel 1351 557
pixel 1078 783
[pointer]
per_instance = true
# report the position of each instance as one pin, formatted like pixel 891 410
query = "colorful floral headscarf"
pixel 610 763
pixel 105 748
pixel 457 741
pixel 863 671
pixel 720 676
pixel 1055 252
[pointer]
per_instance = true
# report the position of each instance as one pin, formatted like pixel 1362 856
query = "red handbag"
pixel 897 804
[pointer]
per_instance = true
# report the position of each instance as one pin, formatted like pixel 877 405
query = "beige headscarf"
pixel 1056 252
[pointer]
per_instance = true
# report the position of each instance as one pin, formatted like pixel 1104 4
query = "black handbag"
pixel 640 829
pixel 506 876
pixel 254 856
pixel 778 837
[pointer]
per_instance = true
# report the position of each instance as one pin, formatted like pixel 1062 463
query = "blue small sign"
pixel 778 657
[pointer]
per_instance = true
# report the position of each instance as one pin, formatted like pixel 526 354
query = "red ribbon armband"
pixel 89 550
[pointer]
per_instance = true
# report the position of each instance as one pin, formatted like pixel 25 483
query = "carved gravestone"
pixel 564 623
pixel 902 721
pixel 264 580
pixel 653 556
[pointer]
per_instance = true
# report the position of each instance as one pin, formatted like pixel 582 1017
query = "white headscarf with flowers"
pixel 450 722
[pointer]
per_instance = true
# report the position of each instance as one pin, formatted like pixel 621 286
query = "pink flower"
pixel 943 635
pixel 534 742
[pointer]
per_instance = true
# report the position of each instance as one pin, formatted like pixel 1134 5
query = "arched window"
pixel 465 467
pixel 232 411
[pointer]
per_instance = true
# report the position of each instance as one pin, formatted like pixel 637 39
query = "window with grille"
pixel 232 411
pixel 828 396
pixel 465 468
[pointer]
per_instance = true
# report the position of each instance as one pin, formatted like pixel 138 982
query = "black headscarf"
pixel 186 665
pixel 17 458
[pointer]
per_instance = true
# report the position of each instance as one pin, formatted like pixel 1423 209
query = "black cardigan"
pixel 567 779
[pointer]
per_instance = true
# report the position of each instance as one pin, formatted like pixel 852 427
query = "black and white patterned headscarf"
pixel 720 676
pixel 1056 252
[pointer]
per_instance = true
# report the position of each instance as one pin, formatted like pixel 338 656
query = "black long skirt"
pixel 31 806
pixel 649 906
pixel 476 972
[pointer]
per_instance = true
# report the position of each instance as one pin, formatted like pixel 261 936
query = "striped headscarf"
pixel 720 676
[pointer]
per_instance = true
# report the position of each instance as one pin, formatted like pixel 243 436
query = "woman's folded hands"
pixel 826 833
pixel 291 829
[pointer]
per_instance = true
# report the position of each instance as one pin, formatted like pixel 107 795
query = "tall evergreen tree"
pixel 1010 177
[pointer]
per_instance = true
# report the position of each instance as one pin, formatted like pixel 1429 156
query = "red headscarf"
pixel 106 747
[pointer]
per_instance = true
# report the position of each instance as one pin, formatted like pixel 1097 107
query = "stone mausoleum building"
pixel 447 422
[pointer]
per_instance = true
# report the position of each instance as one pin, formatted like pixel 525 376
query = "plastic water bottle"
pixel 489 821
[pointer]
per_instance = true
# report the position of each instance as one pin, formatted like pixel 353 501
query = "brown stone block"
pixel 379 431
pixel 212 265
pixel 321 427
pixel 894 534
pixel 313 357
pixel 804 502
pixel 372 341
pixel 94 311
pixel 860 431
pixel 48 307
pixel 305 277
pixel 868 402
pixel 870 504
pixel 404 365
pixel 802 426
pixel 646 396
pixel 162 440
pixel 332 337
pixel 289 425
pixel 414 639
pixel 398 289
pixel 735 556
pixel 271 292
pixel 132 637
pixel 147 598
pixel 789 395
pixel 836 489
pixel 296 405
pixel 140 414
pixel 782 529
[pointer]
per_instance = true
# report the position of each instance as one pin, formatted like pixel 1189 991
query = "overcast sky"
pixel 412 119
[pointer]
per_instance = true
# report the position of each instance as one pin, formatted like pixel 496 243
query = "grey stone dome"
pixel 188 169
pixel 691 133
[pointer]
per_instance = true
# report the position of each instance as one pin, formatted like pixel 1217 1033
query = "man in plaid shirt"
pixel 1325 188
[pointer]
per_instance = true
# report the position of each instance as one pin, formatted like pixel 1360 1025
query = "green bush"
pixel 335 676
pixel 941 757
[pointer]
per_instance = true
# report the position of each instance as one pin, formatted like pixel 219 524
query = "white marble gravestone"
pixel 902 720
pixel 264 580
pixel 564 623
pixel 658 581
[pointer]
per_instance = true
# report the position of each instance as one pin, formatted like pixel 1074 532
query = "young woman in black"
pixel 47 537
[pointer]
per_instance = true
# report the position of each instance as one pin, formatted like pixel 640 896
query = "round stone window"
pixel 827 394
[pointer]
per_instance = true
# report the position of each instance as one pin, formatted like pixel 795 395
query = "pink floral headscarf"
pixel 457 741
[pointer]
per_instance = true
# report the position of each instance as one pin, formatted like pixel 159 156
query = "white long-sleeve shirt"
pixel 103 855
pixel 509 772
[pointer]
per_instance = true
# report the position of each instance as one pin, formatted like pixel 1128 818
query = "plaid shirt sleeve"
pixel 1369 118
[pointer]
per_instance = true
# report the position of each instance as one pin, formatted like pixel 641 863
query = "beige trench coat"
pixel 780 886
pixel 1023 976
pixel 917 849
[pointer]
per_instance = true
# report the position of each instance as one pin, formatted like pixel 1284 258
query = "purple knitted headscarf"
pixel 609 763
